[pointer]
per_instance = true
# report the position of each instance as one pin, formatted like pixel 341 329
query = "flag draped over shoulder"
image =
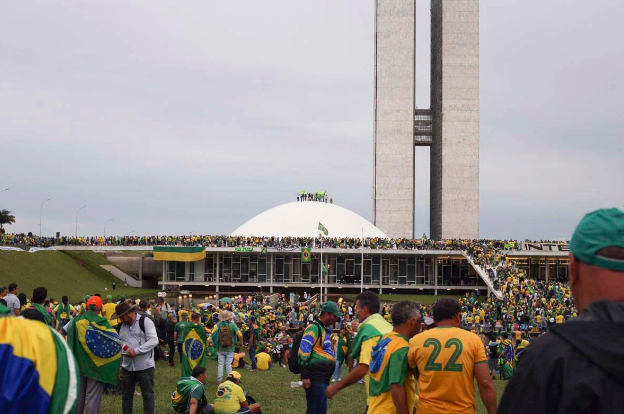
pixel 40 375
pixel 388 363
pixel 96 346
pixel 323 229
pixel 374 326
pixel 193 348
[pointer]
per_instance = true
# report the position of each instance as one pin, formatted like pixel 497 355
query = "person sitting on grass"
pixel 231 398
pixel 239 359
pixel 189 398
pixel 264 360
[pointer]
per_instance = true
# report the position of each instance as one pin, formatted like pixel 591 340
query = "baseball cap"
pixel 331 307
pixel 94 301
pixel 235 375
pixel 599 230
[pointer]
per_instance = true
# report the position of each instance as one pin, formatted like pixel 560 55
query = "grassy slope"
pixel 74 274
pixel 269 388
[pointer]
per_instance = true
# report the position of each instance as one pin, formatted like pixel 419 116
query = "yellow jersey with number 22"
pixel 445 358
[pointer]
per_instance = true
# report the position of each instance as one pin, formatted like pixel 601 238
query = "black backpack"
pixel 156 350
pixel 293 358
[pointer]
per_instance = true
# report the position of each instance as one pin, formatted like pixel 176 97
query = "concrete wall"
pixel 130 264
pixel 394 117
pixel 455 108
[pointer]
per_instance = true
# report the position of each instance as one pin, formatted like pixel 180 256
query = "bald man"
pixel 577 367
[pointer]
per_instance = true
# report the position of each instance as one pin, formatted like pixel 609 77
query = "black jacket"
pixel 576 368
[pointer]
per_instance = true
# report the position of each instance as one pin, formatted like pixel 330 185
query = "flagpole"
pixel 362 266
pixel 321 236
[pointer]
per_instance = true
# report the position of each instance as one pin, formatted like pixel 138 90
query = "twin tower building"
pixel 450 127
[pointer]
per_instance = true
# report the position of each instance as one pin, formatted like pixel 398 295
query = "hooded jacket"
pixel 576 368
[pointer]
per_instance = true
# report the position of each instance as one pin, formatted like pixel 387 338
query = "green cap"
pixel 109 297
pixel 331 307
pixel 86 298
pixel 598 230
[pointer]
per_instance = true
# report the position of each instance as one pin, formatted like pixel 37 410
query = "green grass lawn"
pixel 71 273
pixel 422 299
pixel 269 388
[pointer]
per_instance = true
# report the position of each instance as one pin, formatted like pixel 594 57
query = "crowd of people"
pixel 481 250
pixel 532 336
pixel 318 196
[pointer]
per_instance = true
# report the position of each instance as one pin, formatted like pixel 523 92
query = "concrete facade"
pixel 395 49
pixel 455 110
pixel 454 133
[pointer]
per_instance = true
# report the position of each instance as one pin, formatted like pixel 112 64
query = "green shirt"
pixel 215 336
pixel 186 389
pixel 179 328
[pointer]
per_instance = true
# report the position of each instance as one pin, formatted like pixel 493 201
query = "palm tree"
pixel 6 218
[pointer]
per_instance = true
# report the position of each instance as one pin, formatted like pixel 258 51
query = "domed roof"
pixel 301 219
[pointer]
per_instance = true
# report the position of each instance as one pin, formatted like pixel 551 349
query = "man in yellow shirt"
pixel 447 360
pixel 263 360
pixel 392 387
pixel 230 398
pixel 108 310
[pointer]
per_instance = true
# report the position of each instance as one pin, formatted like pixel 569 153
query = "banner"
pixel 243 249
pixel 306 255
pixel 179 253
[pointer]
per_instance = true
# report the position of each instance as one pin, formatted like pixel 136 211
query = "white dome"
pixel 301 219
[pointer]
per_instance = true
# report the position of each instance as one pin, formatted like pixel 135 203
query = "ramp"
pixel 124 277
pixel 481 272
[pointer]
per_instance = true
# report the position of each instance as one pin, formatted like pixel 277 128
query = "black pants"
pixel 145 379
pixel 180 352
pixel 172 347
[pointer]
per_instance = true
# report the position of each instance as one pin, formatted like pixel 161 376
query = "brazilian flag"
pixel 323 229
pixel 41 373
pixel 193 348
pixel 306 255
pixel 96 346
pixel 388 363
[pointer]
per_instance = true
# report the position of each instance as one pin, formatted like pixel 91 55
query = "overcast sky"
pixel 172 117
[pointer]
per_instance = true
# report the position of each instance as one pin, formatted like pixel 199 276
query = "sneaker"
pixel 361 381
pixel 137 393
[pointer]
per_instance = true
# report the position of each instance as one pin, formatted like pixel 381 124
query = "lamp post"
pixel 6 189
pixel 77 219
pixel 362 267
pixel 131 233
pixel 107 221
pixel 40 213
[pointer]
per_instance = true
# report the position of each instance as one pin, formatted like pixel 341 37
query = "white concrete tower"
pixel 455 113
pixel 393 182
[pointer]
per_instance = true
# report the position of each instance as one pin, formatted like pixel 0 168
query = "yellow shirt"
pixel 263 360
pixel 445 358
pixel 109 310
pixel 228 398
pixel 383 402
pixel 237 358
pixel 559 318
pixel 365 358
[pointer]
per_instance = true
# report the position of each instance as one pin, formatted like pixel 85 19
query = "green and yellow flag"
pixel 322 229
pixel 179 253
pixel 96 347
pixel 388 363
pixel 324 270
pixel 306 255
pixel 374 326
pixel 193 348
pixel 41 375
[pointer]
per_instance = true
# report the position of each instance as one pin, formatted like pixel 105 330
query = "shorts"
pixel 493 363
pixel 244 410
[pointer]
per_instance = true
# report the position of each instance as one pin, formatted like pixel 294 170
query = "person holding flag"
pixel 41 372
pixel 97 349
pixel 194 340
